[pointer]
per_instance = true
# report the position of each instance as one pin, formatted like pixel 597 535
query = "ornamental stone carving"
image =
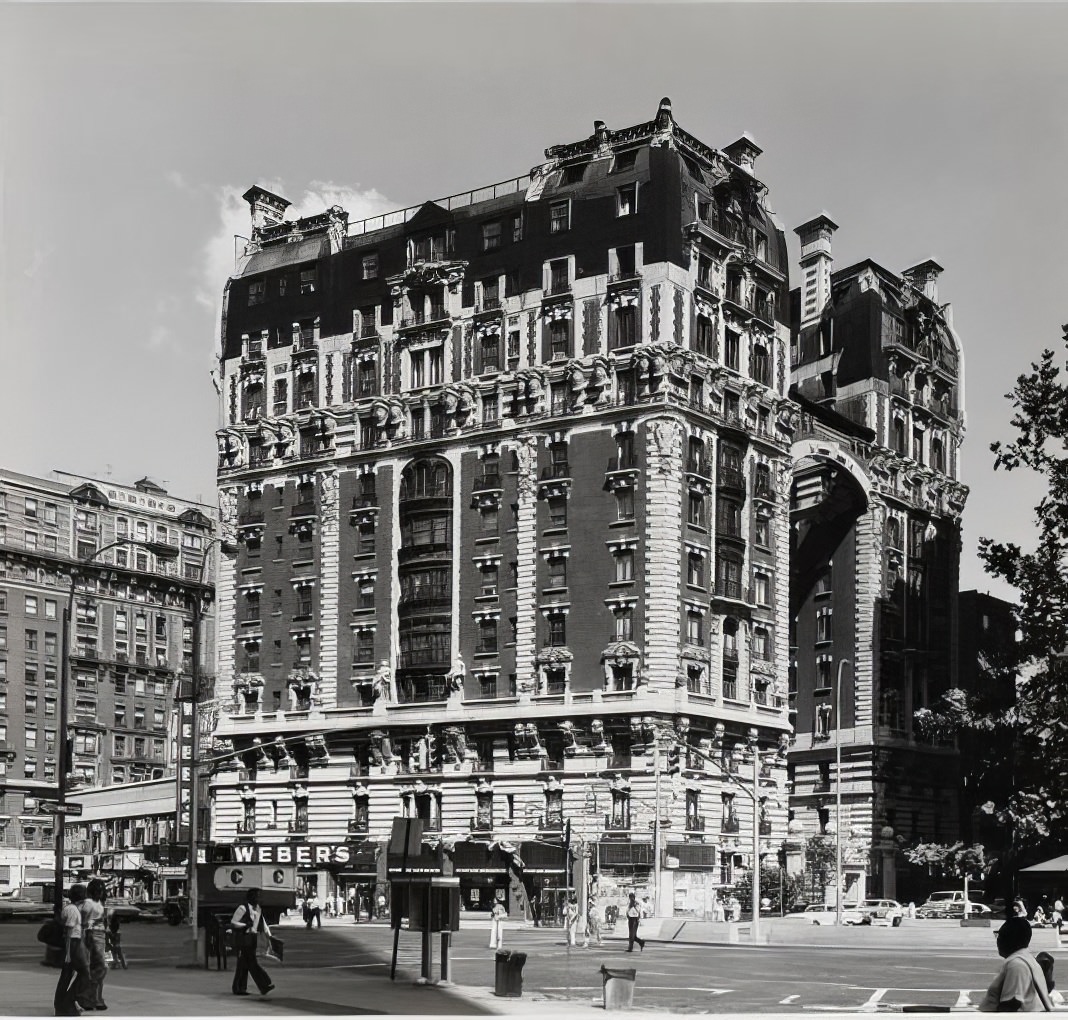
pixel 527 458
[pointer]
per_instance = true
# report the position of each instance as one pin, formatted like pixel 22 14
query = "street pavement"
pixel 343 969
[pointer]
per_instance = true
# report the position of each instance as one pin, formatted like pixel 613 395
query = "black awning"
pixel 479 859
pixel 543 858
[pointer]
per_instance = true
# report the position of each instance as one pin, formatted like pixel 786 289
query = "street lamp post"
pixel 162 551
pixel 755 751
pixel 838 792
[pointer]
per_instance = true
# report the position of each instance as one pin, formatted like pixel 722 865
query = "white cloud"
pixel 218 256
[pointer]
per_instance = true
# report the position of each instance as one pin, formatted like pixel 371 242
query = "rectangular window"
pixel 491 235
pixel 487 636
pixel 695 513
pixel 625 504
pixel 31 641
pixel 255 292
pixel 694 629
pixel 31 507
pixel 558 512
pixel 31 605
pixel 559 217
pixel 50 609
pixel 624 625
pixel 490 352
pixel 308 281
pixel 557 572
pixel 365 646
pixel 557 630
pixel 762 590
pixel 625 565
pixel 559 339
pixel 627 200
pixel 489 579
pixel 695 570
pixel 366 596
pixel 823 624
pixel 369 266
pixel 732 349
pixel 762 533
pixel 559 276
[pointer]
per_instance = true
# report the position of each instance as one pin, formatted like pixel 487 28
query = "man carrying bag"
pixel 247 924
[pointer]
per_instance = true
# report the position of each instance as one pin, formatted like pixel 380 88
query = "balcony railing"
pixel 699 466
pixel 695 823
pixel 558 286
pixel 305 509
pixel 250 517
pixel 729 589
pixel 298 825
pixel 616 824
pixel 418 692
pixel 425 596
pixel 561 469
pixel 484 482
pixel 730 478
pixel 246 828
pixel 628 462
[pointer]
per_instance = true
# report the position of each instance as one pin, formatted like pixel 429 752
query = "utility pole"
pixel 194 776
pixel 656 826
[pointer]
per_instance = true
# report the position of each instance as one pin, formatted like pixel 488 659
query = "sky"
pixel 129 132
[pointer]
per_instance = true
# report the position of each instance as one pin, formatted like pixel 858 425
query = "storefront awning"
pixel 543 858
pixel 479 859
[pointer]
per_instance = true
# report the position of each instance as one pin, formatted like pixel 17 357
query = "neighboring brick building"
pixel 876 507
pixel 130 640
pixel 510 472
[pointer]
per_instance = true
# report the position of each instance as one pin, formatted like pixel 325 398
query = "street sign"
pixel 52 807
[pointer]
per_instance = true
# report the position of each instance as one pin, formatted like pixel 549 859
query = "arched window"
pixel 423 478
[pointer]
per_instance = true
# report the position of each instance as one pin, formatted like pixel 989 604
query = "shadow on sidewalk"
pixel 316 1007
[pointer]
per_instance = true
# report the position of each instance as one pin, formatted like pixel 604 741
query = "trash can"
pixel 508 974
pixel 618 987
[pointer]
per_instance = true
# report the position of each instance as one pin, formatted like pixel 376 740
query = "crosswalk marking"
pixel 788 1000
pixel 963 1000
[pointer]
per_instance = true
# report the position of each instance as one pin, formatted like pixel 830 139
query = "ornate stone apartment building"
pixel 510 476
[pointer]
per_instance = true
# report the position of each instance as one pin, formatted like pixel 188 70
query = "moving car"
pixel 822 913
pixel 23 908
pixel 882 912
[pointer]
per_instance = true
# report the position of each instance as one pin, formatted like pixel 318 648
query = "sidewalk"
pixel 168 991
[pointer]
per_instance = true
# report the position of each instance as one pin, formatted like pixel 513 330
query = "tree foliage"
pixel 954 861
pixel 1035 725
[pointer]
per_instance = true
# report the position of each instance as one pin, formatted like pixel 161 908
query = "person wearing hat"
pixel 74 976
pixel 1020 985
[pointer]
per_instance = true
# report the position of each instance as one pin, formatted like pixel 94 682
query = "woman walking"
pixel 634 916
pixel 571 919
pixel 593 924
pixel 497 916
pixel 94 937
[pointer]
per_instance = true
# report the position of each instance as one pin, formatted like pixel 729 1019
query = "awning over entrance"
pixel 479 859
pixel 1053 864
pixel 543 859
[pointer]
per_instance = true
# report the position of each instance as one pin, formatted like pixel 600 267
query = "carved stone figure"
pixel 382 684
pixel 527 457
pixel 567 728
pixel 328 492
pixel 456 676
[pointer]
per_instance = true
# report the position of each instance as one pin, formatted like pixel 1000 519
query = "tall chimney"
pixel 924 277
pixel 267 209
pixel 816 262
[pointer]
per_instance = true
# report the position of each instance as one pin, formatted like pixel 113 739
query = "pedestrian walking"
pixel 735 907
pixel 315 911
pixel 94 938
pixel 339 904
pixel 498 915
pixel 634 916
pixel 248 922
pixel 113 942
pixel 73 981
pixel 1020 984
pixel 380 902
pixel 571 919
pixel 593 923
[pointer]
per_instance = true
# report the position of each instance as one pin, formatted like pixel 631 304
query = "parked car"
pixel 821 913
pixel 950 903
pixel 883 912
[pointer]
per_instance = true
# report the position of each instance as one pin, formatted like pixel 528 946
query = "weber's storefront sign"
pixel 297 853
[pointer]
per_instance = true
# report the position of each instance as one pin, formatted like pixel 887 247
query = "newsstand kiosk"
pixel 424 893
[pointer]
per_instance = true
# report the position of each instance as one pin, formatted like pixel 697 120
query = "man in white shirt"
pixel 74 977
pixel 1020 985
pixel 248 922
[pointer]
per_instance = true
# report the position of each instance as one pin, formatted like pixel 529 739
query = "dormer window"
pixel 624 161
pixel 253 346
pixel 256 292
pixel 308 280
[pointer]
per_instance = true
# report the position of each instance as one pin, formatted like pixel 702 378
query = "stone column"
pixel 662 559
